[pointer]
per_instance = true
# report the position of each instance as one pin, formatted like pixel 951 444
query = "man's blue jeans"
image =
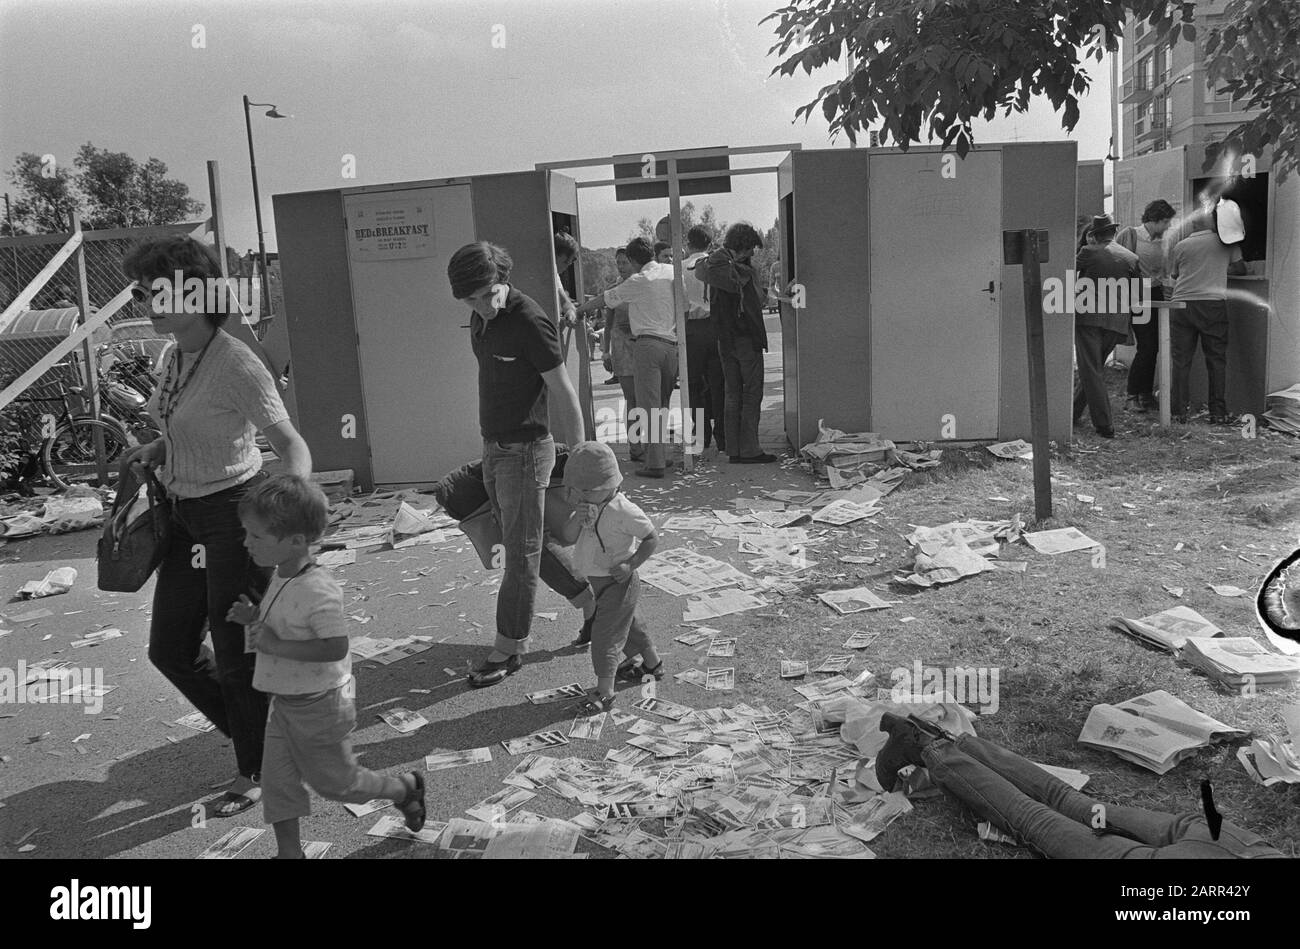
pixel 516 475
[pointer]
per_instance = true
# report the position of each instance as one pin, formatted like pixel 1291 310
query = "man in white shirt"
pixel 652 313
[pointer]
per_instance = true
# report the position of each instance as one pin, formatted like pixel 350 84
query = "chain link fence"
pixel 127 352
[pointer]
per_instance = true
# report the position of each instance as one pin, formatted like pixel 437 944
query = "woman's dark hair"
pixel 741 237
pixel 565 245
pixel 621 252
pixel 1158 210
pixel 161 257
pixel 661 246
pixel 697 238
pixel 639 251
pixel 476 266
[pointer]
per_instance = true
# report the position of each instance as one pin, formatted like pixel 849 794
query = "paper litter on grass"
pixel 197 721
pixel 391 826
pixel 1169 629
pixel 860 640
pixel 1014 449
pixel 1060 541
pixel 361 810
pixel 793 669
pixel 682 571
pixel 1155 730
pixel 97 637
pixel 572 691
pixel 855 600
pixel 841 512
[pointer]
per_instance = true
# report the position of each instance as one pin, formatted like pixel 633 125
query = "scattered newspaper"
pixel 1060 541
pixel 1169 629
pixel 714 603
pixel 855 600
pixel 1238 660
pixel 1155 730
pixel 456 759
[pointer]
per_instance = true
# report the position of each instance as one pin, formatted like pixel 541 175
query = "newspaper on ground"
pixel 695 637
pixel 588 727
pixel 315 849
pixel 56 581
pixel 1169 629
pixel 980 536
pixel 1238 660
pixel 404 720
pixel 1074 778
pixel 721 680
pixel 855 600
pixel 948 564
pixel 835 664
pixel 574 690
pixel 97 637
pixel 690 522
pixel 387 651
pixel 456 759
pixel 1227 589
pixel 714 603
pixel 870 819
pixel 197 721
pixel 793 669
pixel 1271 760
pixel 535 742
pixel 801 498
pixel 663 708
pixel 682 572
pixel 860 640
pixel 336 558
pixel 408 523
pixel 1014 449
pixel 361 810
pixel 495 807
pixel 1060 541
pixel 1155 730
pixel 692 677
pixel 392 826
pixel 232 843
pixel 782 544
pixel 841 512
pixel 779 519
pixel 721 647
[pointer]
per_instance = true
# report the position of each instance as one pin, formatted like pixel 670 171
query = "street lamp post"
pixel 257 202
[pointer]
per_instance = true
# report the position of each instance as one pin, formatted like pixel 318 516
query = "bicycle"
pixel 67 450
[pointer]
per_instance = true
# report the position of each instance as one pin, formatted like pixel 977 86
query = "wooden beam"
pixel 604 182
pixel 71 243
pixel 670 153
pixel 679 298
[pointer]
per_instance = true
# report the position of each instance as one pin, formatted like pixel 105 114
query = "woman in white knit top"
pixel 213 397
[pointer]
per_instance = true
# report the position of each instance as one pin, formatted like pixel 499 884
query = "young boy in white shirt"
pixel 301 639
pixel 613 538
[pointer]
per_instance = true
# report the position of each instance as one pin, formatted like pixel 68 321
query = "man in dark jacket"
pixel 1110 277
pixel 736 308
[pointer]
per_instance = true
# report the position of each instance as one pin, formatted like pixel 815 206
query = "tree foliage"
pixel 933 67
pixel 109 189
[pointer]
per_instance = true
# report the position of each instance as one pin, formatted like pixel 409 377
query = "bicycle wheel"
pixel 68 457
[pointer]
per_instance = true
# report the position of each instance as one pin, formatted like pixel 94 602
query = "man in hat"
pixel 1201 263
pixel 1101 318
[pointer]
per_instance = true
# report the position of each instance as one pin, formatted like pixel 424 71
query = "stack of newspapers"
pixel 1156 730
pixel 1282 410
pixel 1240 660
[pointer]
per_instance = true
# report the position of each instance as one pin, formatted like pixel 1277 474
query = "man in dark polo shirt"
pixel 1113 274
pixel 519 366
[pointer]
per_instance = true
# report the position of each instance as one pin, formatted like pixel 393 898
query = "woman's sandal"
pixel 414 799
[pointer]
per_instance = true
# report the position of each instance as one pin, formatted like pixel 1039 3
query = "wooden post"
pixel 679 295
pixel 90 367
pixel 1022 247
pixel 1166 375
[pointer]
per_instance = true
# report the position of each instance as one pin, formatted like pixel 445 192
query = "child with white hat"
pixel 613 538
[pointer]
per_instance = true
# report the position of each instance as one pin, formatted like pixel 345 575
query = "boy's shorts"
pixel 307 742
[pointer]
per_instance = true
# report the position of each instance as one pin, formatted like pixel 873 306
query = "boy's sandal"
pixel 595 704
pixel 241 800
pixel 412 806
pixel 638 670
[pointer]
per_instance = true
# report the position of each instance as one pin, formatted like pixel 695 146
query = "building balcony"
pixel 1153 131
pixel 1137 91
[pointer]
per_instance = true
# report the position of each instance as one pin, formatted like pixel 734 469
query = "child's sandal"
pixel 412 806
pixel 595 704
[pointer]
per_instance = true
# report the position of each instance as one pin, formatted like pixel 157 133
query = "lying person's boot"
pixel 584 635
pixel 907 736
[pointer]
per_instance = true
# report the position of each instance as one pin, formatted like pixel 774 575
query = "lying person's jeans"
pixel 1039 809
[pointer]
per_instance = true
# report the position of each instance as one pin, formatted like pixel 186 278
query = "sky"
pixel 416 90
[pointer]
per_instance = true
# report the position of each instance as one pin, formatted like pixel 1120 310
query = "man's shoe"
pixel 1105 433
pixel 611 381
pixel 1149 403
pixel 490 673
pixel 906 740
pixel 649 472
pixel 584 635
pixel 1135 404
pixel 1229 420
pixel 762 459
